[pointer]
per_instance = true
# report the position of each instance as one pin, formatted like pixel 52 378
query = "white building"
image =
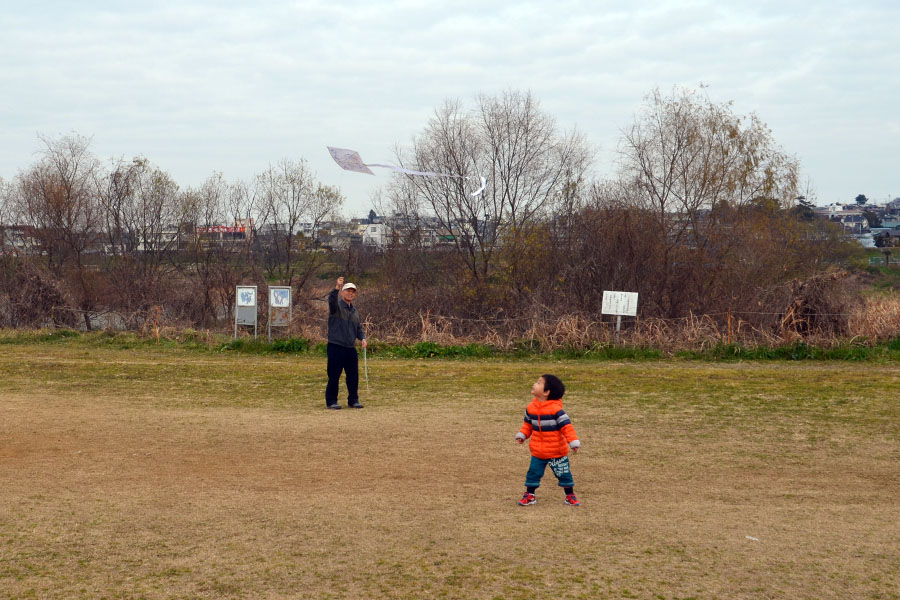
pixel 374 235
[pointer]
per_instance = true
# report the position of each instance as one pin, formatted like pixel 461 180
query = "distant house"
pixel 836 209
pixel 19 239
pixel 334 240
pixel 892 207
pixel 850 217
pixel 886 237
pixel 307 230
pixel 405 229
pixel 225 235
pixel 853 223
pixel 165 239
pixel 374 235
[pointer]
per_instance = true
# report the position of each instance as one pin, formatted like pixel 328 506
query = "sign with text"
pixel 221 229
pixel 620 303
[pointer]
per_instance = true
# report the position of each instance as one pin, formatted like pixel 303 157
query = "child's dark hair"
pixel 554 386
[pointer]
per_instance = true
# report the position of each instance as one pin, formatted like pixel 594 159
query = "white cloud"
pixel 200 87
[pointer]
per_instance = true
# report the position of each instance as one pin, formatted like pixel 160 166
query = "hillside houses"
pixel 873 225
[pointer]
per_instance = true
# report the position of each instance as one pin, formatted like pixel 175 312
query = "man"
pixel 343 331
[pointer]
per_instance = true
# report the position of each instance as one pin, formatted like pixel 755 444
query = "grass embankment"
pixel 206 342
pixel 163 472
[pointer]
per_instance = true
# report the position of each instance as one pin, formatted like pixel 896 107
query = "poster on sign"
pixel 246 296
pixel 280 313
pixel 620 303
pixel 280 297
pixel 245 309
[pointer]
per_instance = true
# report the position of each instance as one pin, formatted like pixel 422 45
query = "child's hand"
pixel 520 440
pixel 575 450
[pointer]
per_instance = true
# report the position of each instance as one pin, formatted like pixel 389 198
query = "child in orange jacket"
pixel 552 436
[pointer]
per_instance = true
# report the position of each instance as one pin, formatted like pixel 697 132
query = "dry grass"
pixel 175 475
pixel 871 319
pixel 878 318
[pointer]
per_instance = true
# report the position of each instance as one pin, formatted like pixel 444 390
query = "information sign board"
pixel 619 303
pixel 245 309
pixel 279 307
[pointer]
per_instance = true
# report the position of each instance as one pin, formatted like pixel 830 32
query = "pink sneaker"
pixel 571 500
pixel 527 499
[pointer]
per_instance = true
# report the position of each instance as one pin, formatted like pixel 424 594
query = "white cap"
pixel 348 286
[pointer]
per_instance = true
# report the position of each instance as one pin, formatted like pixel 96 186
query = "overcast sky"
pixel 200 87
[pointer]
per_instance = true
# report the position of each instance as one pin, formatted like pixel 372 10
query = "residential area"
pixel 374 233
pixel 873 225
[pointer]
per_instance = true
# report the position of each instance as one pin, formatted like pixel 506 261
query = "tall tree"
pixel 290 196
pixel 209 264
pixel 528 163
pixel 803 210
pixel 140 212
pixel 59 198
pixel 5 202
pixel 684 161
pixel 6 211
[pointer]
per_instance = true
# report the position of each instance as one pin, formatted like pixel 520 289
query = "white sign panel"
pixel 620 303
pixel 280 297
pixel 246 296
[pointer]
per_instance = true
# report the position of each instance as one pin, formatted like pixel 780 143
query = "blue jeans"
pixel 559 466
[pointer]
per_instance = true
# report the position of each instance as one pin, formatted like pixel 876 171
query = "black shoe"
pixel 356 405
pixel 333 406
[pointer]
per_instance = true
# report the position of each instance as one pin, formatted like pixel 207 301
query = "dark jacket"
pixel 343 322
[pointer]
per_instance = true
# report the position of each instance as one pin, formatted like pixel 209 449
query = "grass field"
pixel 175 474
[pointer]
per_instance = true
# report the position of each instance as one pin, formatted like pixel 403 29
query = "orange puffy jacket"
pixel 550 429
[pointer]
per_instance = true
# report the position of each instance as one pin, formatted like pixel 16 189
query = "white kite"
pixel 350 160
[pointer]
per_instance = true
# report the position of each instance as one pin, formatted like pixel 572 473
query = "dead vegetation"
pixel 823 310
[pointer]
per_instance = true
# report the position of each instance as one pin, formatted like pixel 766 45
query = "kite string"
pixel 411 172
pixel 431 174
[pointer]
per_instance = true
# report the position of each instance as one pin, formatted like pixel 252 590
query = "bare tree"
pixel 140 206
pixel 527 163
pixel 140 211
pixel 58 199
pixel 685 153
pixel 208 258
pixel 5 202
pixel 683 161
pixel 6 213
pixel 291 200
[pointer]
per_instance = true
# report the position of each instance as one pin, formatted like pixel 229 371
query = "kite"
pixel 350 160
